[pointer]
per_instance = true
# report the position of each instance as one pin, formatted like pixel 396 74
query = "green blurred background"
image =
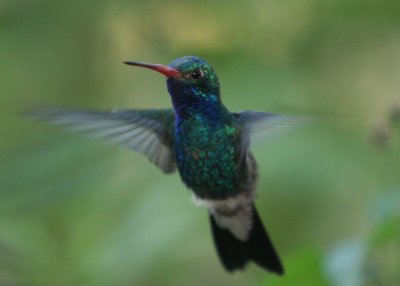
pixel 81 212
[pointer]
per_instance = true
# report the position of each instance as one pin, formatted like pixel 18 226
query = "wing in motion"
pixel 260 125
pixel 145 131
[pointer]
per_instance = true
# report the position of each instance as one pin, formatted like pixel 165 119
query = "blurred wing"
pixel 259 126
pixel 145 131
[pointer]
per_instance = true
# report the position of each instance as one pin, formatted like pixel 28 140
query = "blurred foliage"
pixel 77 212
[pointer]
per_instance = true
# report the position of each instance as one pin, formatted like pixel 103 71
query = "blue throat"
pixel 189 101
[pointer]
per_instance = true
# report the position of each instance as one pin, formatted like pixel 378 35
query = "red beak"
pixel 165 70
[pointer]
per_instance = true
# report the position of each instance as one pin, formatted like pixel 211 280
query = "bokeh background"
pixel 81 212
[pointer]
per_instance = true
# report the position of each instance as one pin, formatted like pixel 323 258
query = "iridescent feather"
pixel 209 145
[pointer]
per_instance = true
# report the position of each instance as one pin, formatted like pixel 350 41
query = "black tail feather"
pixel 235 254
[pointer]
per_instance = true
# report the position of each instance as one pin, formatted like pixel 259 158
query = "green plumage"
pixel 207 144
pixel 207 156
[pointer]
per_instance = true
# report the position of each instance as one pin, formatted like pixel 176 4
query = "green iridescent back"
pixel 207 156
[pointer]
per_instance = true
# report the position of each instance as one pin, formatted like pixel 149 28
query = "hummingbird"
pixel 206 143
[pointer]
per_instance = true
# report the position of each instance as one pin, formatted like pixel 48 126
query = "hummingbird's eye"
pixel 196 74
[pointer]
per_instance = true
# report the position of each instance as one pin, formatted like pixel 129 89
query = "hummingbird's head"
pixel 196 76
pixel 191 81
